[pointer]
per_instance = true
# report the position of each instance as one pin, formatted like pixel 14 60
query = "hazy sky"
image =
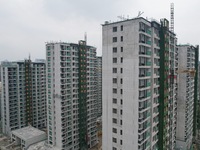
pixel 25 25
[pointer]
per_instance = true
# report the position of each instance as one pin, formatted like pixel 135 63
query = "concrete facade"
pixel 68 93
pixel 23 98
pixel 133 110
pixel 130 85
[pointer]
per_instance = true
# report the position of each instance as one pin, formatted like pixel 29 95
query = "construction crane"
pixel 172 17
pixel 190 71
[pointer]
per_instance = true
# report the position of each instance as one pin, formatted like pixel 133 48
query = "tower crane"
pixel 190 71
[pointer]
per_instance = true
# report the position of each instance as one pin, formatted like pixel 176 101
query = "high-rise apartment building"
pixel 99 85
pixel 198 102
pixel 135 87
pixel 186 98
pixel 168 87
pixel 71 94
pixel 0 105
pixel 23 94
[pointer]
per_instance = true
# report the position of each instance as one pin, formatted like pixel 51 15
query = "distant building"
pixel 99 86
pixel 27 136
pixel 0 107
pixel 139 91
pixel 187 96
pixel 71 95
pixel 23 95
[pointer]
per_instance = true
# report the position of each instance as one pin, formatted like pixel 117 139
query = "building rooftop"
pixel 27 133
pixel 42 146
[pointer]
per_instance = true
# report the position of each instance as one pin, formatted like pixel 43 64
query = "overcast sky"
pixel 25 25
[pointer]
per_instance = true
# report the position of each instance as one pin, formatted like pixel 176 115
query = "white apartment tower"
pixel 132 105
pixel 185 103
pixel 130 85
pixel 71 95
pixel 23 99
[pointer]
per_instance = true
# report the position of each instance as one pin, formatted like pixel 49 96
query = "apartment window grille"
pixel 114 140
pixel 114 120
pixel 114 49
pixel 114 60
pixel 114 130
pixel 114 29
pixel 115 91
pixel 114 80
pixel 114 39
pixel 114 101
pixel 114 111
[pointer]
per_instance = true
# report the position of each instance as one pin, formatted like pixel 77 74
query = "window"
pixel 114 60
pixel 115 91
pixel 114 39
pixel 114 70
pixel 121 81
pixel 114 130
pixel 114 80
pixel 121 49
pixel 114 101
pixel 121 59
pixel 114 111
pixel 121 28
pixel 114 29
pixel 121 132
pixel 114 49
pixel 114 148
pixel 122 39
pixel 121 142
pixel 120 122
pixel 121 91
pixel 121 101
pixel 114 140
pixel 114 120
pixel 121 112
pixel 121 70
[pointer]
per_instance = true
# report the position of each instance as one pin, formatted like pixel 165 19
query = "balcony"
pixel 148 32
pixel 149 42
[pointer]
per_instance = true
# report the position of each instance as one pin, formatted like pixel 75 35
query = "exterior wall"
pixel 127 93
pixel 148 90
pixel 14 112
pixel 0 105
pixel 99 85
pixel 185 103
pixel 63 93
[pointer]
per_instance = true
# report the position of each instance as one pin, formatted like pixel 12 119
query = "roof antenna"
pixel 139 14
